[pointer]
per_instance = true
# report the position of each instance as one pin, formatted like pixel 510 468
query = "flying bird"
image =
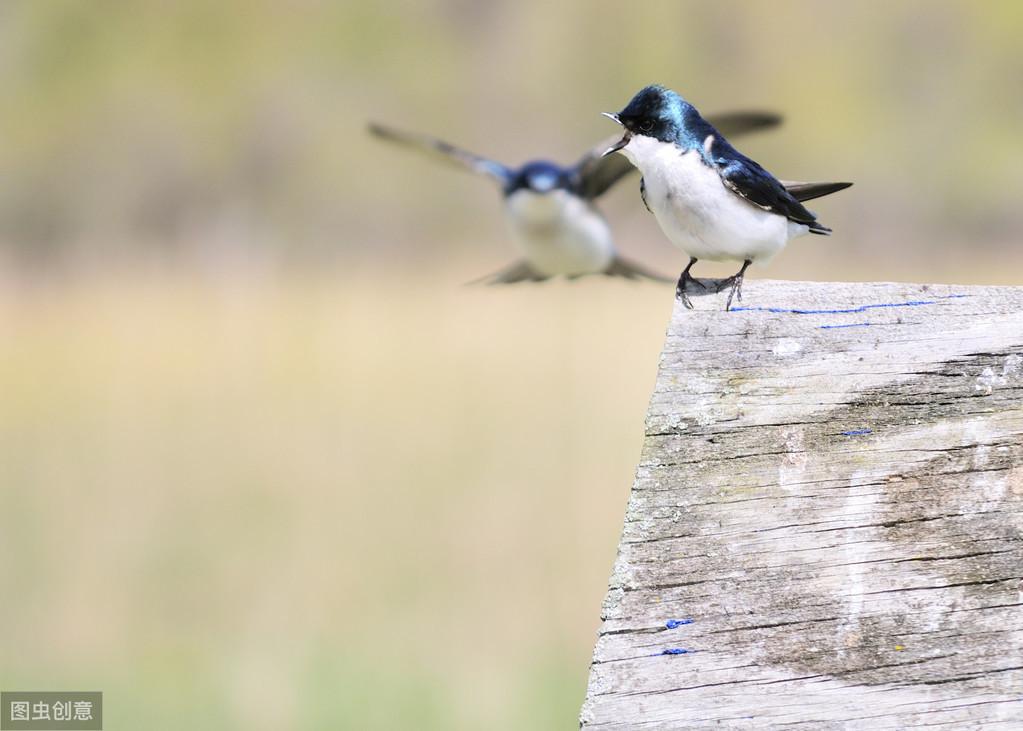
pixel 551 209
pixel 710 200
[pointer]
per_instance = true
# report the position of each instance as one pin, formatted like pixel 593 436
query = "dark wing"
pixel 440 150
pixel 642 194
pixel 596 174
pixel 746 178
pixel 803 192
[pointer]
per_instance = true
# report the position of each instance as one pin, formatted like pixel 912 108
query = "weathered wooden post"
pixel 825 527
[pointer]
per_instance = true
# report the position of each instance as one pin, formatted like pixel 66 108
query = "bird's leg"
pixel 736 283
pixel 683 280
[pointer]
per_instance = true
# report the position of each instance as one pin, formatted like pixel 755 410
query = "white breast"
pixel 559 233
pixel 698 213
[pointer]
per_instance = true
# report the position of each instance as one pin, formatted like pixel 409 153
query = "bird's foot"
pixel 684 279
pixel 735 282
pixel 680 294
pixel 735 292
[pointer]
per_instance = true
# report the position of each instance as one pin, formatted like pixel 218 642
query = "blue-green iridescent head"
pixel 654 111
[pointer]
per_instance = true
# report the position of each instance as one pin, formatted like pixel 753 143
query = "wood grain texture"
pixel 831 489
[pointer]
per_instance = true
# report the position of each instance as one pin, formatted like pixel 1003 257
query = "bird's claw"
pixel 736 292
pixel 735 281
pixel 683 282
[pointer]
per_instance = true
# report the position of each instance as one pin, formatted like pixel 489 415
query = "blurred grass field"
pixel 265 462
pixel 323 503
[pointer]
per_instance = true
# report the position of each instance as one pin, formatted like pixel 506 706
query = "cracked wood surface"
pixel 831 490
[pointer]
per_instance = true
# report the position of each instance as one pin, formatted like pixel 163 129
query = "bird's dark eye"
pixel 646 126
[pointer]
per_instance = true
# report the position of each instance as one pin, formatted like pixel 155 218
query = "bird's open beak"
pixel 620 143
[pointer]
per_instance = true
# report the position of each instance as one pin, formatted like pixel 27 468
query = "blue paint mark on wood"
pixel 850 310
pixel 851 324
pixel 857 432
pixel 676 651
pixel 673 623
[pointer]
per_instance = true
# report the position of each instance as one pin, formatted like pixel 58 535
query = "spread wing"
pixel 730 124
pixel 444 152
pixel 519 271
pixel 596 174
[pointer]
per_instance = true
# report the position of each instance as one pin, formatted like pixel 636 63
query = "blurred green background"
pixel 265 463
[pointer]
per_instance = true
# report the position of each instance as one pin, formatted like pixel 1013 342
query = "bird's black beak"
pixel 620 143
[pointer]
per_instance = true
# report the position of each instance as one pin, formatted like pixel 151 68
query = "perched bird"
pixel 710 200
pixel 550 208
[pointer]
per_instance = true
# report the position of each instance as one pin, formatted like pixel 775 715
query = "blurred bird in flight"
pixel 551 209
pixel 710 200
